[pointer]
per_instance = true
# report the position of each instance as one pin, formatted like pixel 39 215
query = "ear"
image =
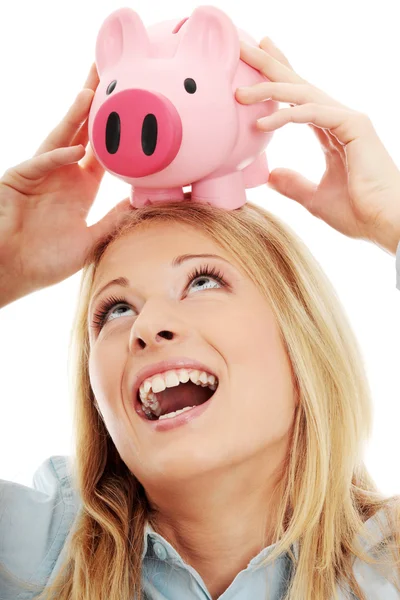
pixel 121 35
pixel 210 36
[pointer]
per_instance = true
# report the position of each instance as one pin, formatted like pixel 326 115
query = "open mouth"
pixel 173 401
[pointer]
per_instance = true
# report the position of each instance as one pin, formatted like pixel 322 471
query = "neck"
pixel 218 522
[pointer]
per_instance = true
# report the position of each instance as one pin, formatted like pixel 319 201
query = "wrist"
pixel 387 242
pixel 387 236
pixel 11 288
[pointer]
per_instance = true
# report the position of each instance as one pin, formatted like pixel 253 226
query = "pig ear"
pixel 121 35
pixel 209 35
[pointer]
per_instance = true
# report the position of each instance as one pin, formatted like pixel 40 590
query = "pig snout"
pixel 137 133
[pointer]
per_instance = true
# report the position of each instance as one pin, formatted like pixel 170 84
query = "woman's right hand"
pixel 44 203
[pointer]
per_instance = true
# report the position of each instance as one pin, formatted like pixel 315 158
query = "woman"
pixel 261 491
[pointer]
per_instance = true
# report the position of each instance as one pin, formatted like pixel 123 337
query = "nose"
pixel 137 133
pixel 144 341
pixel 146 336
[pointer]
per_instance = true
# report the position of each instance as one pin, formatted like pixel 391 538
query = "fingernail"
pixel 263 120
pixel 266 38
pixel 246 44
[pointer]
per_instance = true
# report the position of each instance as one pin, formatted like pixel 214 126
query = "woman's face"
pixel 230 329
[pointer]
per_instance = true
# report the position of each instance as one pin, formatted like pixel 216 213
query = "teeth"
pixel 194 376
pixel 172 378
pixel 158 384
pixel 183 375
pixel 203 377
pixel 177 412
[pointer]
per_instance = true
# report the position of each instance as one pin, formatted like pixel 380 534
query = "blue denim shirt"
pixel 35 524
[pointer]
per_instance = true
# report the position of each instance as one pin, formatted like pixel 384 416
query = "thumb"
pixel 293 185
pixel 111 220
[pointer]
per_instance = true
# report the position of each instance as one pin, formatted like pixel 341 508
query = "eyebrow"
pixel 178 260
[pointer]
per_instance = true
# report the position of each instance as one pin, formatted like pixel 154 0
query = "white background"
pixel 350 49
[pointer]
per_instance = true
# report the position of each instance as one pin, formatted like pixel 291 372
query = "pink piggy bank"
pixel 164 115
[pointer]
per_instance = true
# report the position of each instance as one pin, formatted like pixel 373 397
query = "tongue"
pixel 185 394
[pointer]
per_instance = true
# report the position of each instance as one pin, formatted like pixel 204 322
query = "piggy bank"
pixel 164 115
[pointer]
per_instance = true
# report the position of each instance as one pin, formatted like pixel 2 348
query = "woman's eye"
pixel 112 311
pixel 202 281
pixel 204 273
pixel 107 309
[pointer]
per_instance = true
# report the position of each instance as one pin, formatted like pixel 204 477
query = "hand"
pixel 359 193
pixel 44 202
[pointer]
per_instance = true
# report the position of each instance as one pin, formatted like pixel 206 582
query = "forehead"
pixel 155 244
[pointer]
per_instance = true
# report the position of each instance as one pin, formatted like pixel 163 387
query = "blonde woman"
pixel 257 488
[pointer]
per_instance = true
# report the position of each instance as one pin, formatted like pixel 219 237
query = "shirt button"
pixel 160 551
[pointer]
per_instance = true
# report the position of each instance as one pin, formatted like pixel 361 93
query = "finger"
pixel 65 131
pixel 345 124
pixel 268 46
pixel 269 66
pixel 294 94
pixel 112 219
pixel 82 137
pixel 294 186
pixel 36 168
pixel 330 144
pixel 298 93
pixel 90 164
pixel 92 80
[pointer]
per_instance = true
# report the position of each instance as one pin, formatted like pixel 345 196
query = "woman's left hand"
pixel 359 193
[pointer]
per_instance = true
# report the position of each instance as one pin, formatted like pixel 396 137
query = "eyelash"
pixel 205 271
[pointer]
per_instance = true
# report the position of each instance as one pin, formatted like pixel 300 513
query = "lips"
pixel 161 367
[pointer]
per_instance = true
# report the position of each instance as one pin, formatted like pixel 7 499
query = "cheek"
pixel 252 339
pixel 105 373
pixel 106 369
pixel 261 370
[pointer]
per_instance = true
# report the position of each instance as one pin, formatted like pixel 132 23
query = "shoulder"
pixel 374 578
pixel 35 522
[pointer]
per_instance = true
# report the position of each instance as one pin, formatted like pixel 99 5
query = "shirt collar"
pixel 372 525
pixel 147 531
pixel 150 532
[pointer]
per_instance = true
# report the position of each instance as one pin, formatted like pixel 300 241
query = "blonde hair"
pixel 326 493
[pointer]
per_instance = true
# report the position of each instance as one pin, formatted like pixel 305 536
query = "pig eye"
pixel 111 87
pixel 190 85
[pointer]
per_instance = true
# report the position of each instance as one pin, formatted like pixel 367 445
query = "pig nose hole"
pixel 113 133
pixel 149 134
